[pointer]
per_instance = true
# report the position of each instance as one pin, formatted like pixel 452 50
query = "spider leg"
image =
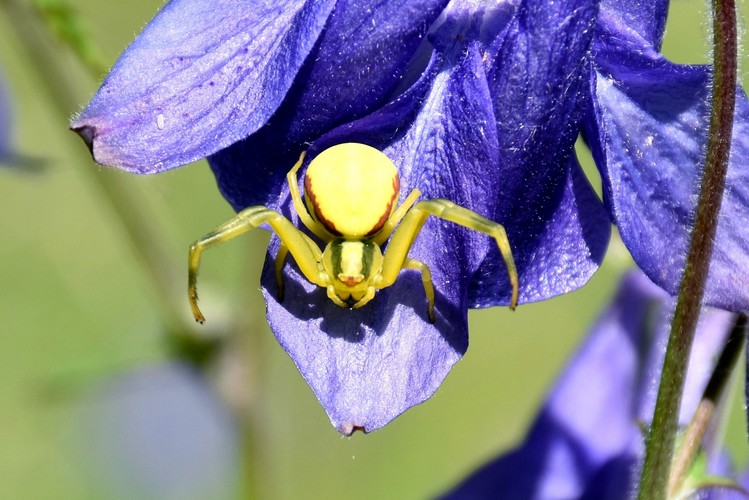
pixel 413 221
pixel 278 263
pixel 395 218
pixel 304 251
pixel 278 268
pixel 299 206
pixel 332 295
pixel 369 295
pixel 426 279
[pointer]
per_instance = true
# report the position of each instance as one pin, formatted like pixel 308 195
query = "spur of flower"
pixel 477 103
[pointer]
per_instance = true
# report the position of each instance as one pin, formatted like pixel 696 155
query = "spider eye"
pixel 351 189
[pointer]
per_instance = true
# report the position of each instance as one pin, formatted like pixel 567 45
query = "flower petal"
pixel 577 430
pixel 647 130
pixel 362 54
pixel 443 138
pixel 368 366
pixel 586 441
pixel 641 22
pixel 200 77
pixel 557 227
pixel 360 58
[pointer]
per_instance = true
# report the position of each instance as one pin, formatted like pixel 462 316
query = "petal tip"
pixel 348 429
pixel 87 133
pixel 94 136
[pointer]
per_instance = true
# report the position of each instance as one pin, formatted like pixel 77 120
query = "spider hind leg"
pixel 426 279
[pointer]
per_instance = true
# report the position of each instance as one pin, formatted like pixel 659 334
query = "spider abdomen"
pixel 351 189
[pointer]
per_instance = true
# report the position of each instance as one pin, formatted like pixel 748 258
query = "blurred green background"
pixel 77 308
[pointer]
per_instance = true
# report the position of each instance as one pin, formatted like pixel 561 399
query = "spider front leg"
pixel 304 250
pixel 426 279
pixel 299 206
pixel 368 295
pixel 404 236
pixel 395 218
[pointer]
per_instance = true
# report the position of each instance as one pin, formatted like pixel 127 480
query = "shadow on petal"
pixel 366 366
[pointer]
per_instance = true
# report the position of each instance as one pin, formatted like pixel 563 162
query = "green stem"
pixel 662 435
pixel 145 239
pixel 705 412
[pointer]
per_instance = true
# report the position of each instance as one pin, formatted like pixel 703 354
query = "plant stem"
pixel 661 438
pixel 705 412
pixel 145 239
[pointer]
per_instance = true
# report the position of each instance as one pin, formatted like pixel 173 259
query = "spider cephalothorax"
pixel 351 191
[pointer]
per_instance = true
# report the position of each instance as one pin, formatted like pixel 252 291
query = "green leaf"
pixel 700 479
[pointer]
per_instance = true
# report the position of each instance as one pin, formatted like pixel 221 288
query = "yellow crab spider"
pixel 350 191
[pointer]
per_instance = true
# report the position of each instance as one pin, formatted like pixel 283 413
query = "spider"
pixel 350 191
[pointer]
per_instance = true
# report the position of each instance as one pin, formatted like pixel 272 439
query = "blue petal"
pixel 520 126
pixel 362 54
pixel 360 59
pixel 370 365
pixel 367 366
pixel 200 77
pixel 586 438
pixel 578 430
pixel 557 227
pixel 640 22
pixel 647 130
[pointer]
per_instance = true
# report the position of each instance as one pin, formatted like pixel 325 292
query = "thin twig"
pixel 705 412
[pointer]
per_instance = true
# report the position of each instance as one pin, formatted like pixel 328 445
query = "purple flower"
pixel 480 104
pixel 587 442
pixel 647 125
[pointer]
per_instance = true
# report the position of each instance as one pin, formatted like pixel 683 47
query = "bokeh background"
pixel 88 379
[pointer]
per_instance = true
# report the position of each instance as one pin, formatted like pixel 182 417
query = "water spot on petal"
pixel 160 120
